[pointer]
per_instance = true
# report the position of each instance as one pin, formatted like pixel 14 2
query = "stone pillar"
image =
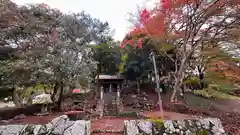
pixel 101 93
pixel 110 88
pixel 118 92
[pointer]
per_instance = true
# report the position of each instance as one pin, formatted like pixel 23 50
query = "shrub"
pixel 192 83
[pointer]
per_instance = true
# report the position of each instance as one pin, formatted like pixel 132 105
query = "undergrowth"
pixel 214 94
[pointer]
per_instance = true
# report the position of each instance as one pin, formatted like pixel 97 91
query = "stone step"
pixel 108 126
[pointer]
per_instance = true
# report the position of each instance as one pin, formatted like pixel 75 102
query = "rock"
pixel 217 125
pixel 134 96
pixel 57 119
pixel 11 129
pixel 2 127
pixel 27 130
pixel 88 126
pixel 4 122
pixel 42 99
pixel 58 126
pixel 169 126
pixel 80 127
pixel 19 117
pixel 145 126
pixel 37 129
pixel 131 127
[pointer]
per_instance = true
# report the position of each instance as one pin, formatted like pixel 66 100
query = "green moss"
pixel 41 86
pixel 202 132
pixel 159 122
pixel 236 60
pixel 38 88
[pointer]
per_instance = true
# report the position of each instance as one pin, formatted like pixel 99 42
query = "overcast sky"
pixel 113 11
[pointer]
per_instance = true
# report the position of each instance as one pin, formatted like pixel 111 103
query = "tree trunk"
pixel 201 77
pixel 99 68
pixel 138 87
pixel 55 89
pixel 30 99
pixel 16 98
pixel 22 94
pixel 178 81
pixel 59 102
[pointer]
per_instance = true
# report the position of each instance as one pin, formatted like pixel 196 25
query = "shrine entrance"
pixel 110 88
pixel 110 84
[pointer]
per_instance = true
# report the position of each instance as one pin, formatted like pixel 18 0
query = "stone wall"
pixel 198 126
pixel 58 126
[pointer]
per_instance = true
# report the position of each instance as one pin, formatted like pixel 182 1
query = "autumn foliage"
pixel 152 23
pixel 156 23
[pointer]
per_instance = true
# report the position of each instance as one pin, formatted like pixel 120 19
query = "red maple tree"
pixel 151 24
pixel 188 25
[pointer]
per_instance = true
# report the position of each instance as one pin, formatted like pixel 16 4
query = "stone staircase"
pixel 111 109
pixel 112 106
pixel 100 108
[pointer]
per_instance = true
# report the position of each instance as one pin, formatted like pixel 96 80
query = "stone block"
pixel 58 126
pixel 208 126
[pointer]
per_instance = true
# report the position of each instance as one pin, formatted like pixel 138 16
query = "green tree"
pixel 51 48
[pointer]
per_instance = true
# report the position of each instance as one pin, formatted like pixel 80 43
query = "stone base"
pixel 58 126
pixel 205 126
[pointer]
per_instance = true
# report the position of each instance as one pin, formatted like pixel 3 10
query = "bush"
pixel 192 83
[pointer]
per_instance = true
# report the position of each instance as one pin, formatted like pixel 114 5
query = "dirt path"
pixel 231 105
pixel 108 124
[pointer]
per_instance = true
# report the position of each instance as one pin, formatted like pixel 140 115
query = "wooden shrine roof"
pixel 110 77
